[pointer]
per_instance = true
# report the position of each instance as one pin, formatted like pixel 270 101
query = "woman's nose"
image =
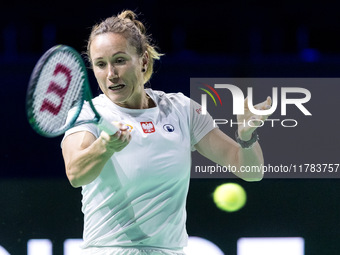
pixel 112 73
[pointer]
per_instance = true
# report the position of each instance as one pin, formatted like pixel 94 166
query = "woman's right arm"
pixel 85 155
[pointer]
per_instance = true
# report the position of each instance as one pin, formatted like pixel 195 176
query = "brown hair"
pixel 133 30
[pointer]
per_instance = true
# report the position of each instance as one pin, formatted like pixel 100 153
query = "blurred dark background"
pixel 243 38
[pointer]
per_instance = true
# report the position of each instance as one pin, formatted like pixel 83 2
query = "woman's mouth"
pixel 116 87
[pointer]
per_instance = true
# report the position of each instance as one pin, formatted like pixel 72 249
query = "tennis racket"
pixel 58 84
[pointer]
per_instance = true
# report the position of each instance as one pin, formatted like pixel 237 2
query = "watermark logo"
pixel 238 99
pixel 204 97
pixel 294 125
pixel 287 98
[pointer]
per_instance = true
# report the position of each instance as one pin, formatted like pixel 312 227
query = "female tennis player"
pixel 135 182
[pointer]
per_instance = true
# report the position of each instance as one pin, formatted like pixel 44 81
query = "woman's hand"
pixel 117 141
pixel 245 131
pixel 85 156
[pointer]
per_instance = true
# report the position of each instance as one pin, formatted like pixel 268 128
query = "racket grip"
pixel 106 126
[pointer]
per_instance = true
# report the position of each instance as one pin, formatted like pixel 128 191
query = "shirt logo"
pixel 148 127
pixel 169 128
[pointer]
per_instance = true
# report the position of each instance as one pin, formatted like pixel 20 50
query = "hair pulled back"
pixel 133 30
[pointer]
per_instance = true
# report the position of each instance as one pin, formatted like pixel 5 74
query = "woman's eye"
pixel 100 64
pixel 120 60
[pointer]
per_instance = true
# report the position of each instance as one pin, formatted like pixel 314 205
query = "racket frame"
pixel 85 95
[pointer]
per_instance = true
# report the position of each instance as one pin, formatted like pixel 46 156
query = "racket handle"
pixel 107 126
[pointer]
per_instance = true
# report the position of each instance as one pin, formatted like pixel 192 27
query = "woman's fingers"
pixel 253 121
pixel 118 140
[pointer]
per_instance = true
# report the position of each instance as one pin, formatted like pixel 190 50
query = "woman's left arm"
pixel 224 151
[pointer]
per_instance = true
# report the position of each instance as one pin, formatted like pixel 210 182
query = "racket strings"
pixel 59 88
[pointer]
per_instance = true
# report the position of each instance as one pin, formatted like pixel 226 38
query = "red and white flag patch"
pixel 148 127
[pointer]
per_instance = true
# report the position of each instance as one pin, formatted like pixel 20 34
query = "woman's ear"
pixel 145 61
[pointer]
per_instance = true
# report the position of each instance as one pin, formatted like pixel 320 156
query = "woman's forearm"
pixel 86 165
pixel 250 163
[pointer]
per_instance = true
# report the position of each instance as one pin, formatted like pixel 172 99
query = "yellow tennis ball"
pixel 230 197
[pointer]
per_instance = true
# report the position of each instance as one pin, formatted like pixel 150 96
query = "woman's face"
pixel 118 69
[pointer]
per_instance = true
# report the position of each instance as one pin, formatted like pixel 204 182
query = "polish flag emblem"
pixel 148 127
